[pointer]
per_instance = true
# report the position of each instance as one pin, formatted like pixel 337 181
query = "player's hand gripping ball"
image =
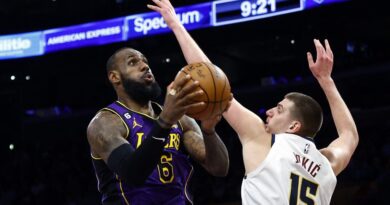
pixel 215 85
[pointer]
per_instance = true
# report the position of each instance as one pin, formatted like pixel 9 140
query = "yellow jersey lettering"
pixel 139 139
pixel 174 141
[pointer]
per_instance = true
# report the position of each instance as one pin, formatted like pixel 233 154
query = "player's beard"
pixel 140 92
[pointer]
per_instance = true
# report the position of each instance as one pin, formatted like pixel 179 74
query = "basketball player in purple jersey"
pixel 141 151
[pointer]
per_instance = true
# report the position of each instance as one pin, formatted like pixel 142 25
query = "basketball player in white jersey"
pixel 282 164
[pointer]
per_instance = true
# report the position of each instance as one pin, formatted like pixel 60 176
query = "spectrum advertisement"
pixel 192 17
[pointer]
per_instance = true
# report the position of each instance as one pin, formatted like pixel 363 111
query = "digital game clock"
pixel 235 11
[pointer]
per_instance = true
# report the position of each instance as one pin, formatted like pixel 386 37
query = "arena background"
pixel 45 155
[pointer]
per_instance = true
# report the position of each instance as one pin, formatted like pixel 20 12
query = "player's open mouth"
pixel 148 77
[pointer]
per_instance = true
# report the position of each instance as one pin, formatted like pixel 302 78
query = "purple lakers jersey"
pixel 167 184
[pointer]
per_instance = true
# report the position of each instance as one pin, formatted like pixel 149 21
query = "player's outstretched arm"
pixel 245 123
pixel 193 53
pixel 191 50
pixel 339 151
pixel 210 151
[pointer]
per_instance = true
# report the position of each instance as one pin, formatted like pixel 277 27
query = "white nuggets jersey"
pixel 294 172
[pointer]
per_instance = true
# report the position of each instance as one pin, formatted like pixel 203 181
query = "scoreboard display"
pixel 232 11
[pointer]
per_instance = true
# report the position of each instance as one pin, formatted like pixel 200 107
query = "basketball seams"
pixel 222 95
pixel 214 85
pixel 211 79
pixel 221 99
pixel 207 96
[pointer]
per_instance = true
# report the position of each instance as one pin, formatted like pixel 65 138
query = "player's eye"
pixel 132 62
pixel 279 109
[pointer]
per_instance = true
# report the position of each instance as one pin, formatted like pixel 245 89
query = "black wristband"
pixel 158 132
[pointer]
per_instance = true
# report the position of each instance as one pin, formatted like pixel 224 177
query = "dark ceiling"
pixel 250 53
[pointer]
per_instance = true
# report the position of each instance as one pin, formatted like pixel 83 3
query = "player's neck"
pixel 145 108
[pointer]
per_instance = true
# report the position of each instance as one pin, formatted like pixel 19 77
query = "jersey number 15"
pixel 302 189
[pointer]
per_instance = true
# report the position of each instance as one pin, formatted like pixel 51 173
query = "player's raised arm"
pixel 191 50
pixel 245 123
pixel 340 151
pixel 193 53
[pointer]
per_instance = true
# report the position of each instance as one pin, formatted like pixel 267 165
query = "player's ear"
pixel 114 77
pixel 294 127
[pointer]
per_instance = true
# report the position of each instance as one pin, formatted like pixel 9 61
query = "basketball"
pixel 215 85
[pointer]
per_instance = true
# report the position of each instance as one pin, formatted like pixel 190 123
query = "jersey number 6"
pixel 165 168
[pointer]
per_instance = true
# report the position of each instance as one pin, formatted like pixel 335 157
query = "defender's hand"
pixel 165 8
pixel 208 125
pixel 322 67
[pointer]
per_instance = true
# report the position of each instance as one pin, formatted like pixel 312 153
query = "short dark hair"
pixel 308 111
pixel 111 62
